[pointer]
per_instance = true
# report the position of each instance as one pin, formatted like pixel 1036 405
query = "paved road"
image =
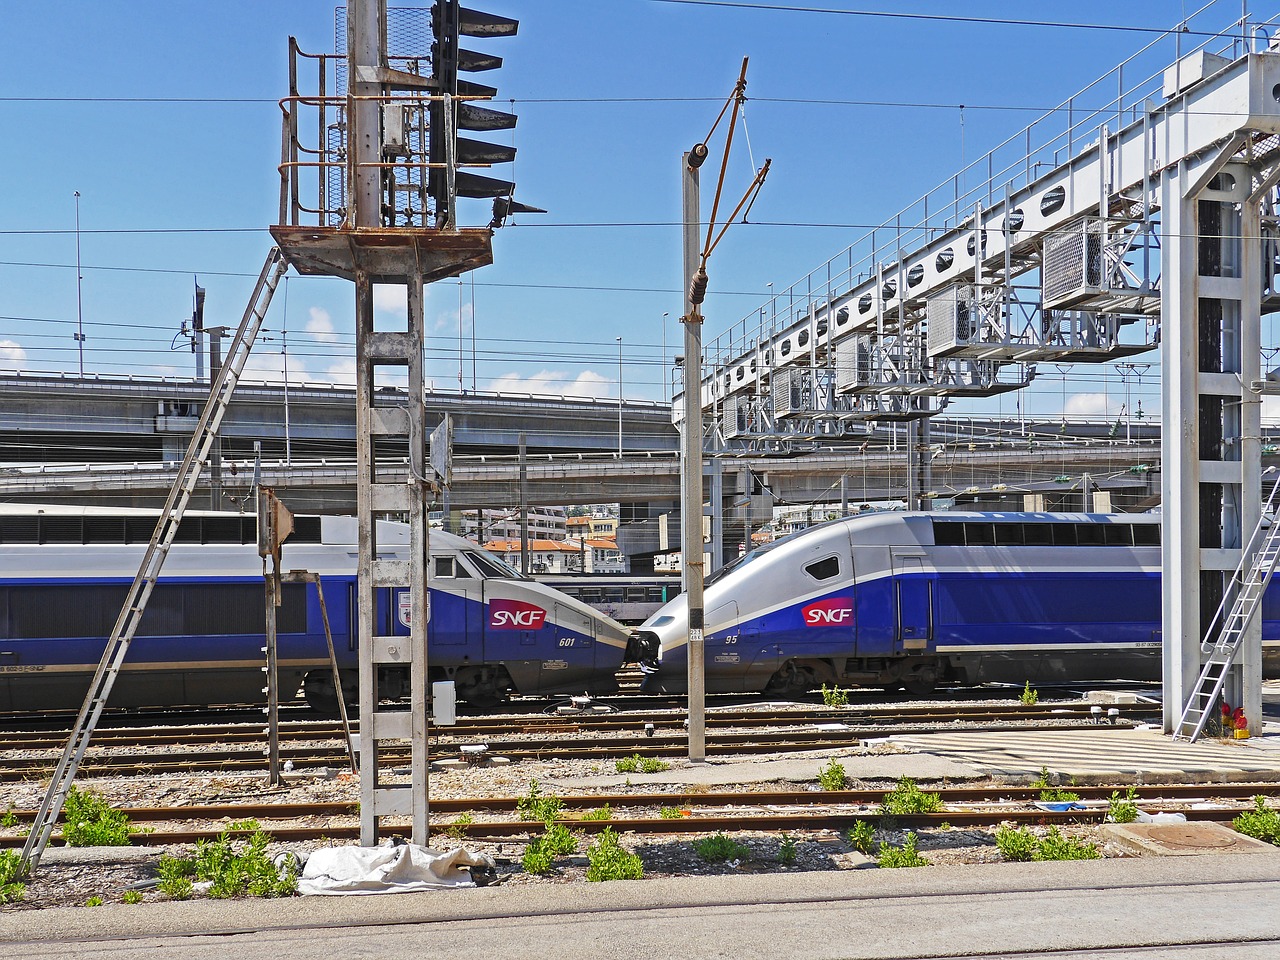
pixel 1225 906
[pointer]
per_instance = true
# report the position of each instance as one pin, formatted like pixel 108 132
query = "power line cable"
pixel 945 18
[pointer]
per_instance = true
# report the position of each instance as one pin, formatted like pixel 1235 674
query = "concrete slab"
pixel 1183 839
pixel 1105 754
pixel 97 854
pixel 797 768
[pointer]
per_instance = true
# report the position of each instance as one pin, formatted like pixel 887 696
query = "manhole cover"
pixel 1187 836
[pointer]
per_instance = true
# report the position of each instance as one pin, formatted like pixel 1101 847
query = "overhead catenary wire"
pixel 1181 28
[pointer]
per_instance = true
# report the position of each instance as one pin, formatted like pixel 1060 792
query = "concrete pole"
pixel 524 509
pixel 619 339
pixel 691 461
pixel 215 451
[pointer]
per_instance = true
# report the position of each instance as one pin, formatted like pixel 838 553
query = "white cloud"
pixel 12 356
pixel 556 383
pixel 391 299
pixel 342 372
pixel 1090 405
pixel 264 367
pixel 320 325
pixel 449 320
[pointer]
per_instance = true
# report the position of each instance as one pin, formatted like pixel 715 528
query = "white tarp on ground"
pixel 406 868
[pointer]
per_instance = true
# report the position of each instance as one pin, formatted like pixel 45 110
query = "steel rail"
pixel 991 794
pixel 720 744
pixel 734 823
pixel 578 723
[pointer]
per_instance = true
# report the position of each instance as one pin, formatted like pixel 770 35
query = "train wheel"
pixel 921 682
pixel 482 688
pixel 791 680
pixel 317 688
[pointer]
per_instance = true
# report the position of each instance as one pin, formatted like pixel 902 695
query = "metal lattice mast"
pixel 157 550
pixel 389 163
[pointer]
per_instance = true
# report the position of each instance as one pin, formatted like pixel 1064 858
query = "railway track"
pixel 530 707
pixel 634 720
pixel 646 733
pixel 705 812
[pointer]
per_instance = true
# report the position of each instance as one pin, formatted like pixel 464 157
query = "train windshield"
pixel 491 567
pixel 758 552
pixel 739 562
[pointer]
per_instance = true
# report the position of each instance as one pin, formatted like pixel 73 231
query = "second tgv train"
pixel 913 600
pixel 64 573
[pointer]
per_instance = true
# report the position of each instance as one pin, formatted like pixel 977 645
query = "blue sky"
pixel 603 263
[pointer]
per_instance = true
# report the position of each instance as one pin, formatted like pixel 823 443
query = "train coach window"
pixel 1037 534
pixel 1090 535
pixel 979 534
pixel 823 569
pixel 90 610
pixel 1146 535
pixel 1010 535
pixel 1117 534
pixel 1064 534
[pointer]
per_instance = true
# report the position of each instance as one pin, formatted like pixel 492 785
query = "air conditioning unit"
pixel 735 417
pixel 1072 270
pixel 952 320
pixel 855 364
pixel 787 392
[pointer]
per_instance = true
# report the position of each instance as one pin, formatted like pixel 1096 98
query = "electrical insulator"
pixel 698 287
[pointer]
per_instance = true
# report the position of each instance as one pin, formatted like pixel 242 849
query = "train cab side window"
pixel 1146 535
pixel 445 567
pixel 823 569
pixel 948 534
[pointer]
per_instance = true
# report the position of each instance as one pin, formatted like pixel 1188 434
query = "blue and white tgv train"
pixel 64 573
pixel 913 600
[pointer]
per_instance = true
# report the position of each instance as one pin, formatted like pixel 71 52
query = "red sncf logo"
pixel 831 612
pixel 515 615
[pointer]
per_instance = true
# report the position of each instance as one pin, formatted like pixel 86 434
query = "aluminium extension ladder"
pixel 1248 585
pixel 135 604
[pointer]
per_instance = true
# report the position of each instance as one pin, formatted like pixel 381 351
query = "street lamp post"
pixel 619 339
